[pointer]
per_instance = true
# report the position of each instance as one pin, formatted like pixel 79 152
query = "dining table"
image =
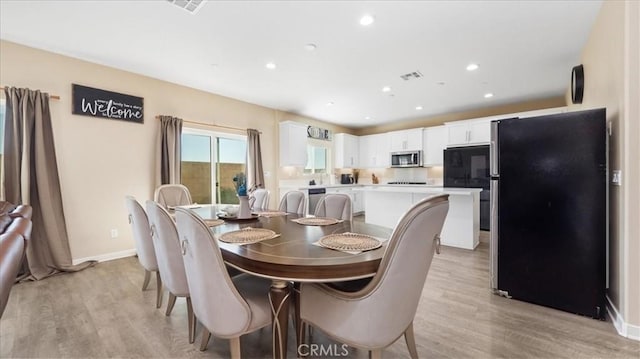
pixel 292 257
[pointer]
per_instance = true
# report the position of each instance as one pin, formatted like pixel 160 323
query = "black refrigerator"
pixel 549 210
pixel 468 167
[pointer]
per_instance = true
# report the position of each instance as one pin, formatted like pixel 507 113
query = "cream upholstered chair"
pixel 293 202
pixel 170 265
pixel 144 245
pixel 378 314
pixel 259 199
pixel 335 205
pixel 227 308
pixel 171 195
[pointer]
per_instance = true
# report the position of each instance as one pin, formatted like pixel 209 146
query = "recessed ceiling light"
pixel 367 118
pixel 310 47
pixel 440 83
pixel 488 95
pixel 330 103
pixel 366 20
pixel 386 89
pixel 418 108
pixel 472 67
pixel 270 65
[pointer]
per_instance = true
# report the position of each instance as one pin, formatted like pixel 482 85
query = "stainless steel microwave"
pixel 406 159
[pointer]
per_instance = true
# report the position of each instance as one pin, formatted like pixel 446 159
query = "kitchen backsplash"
pixel 294 177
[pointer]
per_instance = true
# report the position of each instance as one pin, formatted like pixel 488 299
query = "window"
pixel 316 160
pixel 209 162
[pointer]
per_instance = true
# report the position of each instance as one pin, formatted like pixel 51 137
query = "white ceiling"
pixel 525 50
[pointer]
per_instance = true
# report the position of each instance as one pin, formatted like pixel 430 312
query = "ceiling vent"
pixel 411 75
pixel 191 6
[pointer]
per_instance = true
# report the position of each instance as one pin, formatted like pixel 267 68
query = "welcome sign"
pixel 89 101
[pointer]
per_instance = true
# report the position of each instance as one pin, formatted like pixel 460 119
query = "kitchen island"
pixel 384 205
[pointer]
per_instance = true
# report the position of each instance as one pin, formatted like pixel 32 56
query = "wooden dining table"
pixel 292 257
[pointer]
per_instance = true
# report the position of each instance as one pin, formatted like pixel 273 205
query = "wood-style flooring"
pixel 101 312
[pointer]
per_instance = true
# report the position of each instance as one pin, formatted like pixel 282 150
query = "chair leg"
pixel 234 344
pixel 375 354
pixel 192 321
pixel 296 314
pixel 147 278
pixel 206 335
pixel 159 289
pixel 411 341
pixel 170 303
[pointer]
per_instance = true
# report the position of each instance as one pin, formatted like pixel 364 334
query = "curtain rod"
pixel 55 97
pixel 213 125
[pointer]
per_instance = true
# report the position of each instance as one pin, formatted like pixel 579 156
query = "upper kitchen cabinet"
pixel 467 133
pixel 374 151
pixel 293 144
pixel 434 143
pixel 345 149
pixel 406 140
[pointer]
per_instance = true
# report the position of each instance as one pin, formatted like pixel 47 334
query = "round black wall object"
pixel 577 84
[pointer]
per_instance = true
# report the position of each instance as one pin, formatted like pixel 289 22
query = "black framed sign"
pixel 89 101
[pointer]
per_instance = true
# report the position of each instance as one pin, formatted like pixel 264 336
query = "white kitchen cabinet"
pixel 293 144
pixel 374 151
pixel 345 149
pixel 434 143
pixel 406 140
pixel 467 133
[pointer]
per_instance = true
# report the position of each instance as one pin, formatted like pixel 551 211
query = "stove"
pixel 406 182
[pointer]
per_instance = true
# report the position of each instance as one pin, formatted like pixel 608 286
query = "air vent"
pixel 191 6
pixel 411 75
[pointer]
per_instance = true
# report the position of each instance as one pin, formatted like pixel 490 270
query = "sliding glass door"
pixel 210 160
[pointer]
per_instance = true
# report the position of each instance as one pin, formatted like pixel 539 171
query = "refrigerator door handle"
pixel 493 243
pixel 493 149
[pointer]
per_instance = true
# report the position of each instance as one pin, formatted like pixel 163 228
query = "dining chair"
pixel 378 314
pixel 259 199
pixel 171 195
pixel 226 307
pixel 334 205
pixel 144 245
pixel 293 202
pixel 170 264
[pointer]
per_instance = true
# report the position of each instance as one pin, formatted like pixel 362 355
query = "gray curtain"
pixel 169 144
pixel 31 177
pixel 255 173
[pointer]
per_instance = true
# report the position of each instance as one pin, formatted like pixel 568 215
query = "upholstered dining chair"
pixel 335 205
pixel 293 202
pixel 226 307
pixel 169 256
pixel 171 195
pixel 378 314
pixel 144 245
pixel 259 199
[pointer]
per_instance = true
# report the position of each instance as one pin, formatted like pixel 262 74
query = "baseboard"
pixel 624 329
pixel 107 257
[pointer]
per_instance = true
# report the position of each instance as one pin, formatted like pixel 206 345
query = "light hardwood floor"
pixel 101 312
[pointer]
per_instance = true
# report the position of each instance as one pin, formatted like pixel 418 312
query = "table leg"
pixel 279 297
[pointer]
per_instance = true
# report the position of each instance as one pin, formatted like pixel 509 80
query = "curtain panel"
pixel 31 177
pixel 255 172
pixel 169 146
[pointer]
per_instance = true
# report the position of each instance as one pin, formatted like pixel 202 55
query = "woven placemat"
pixel 213 222
pixel 316 221
pixel 271 213
pixel 350 242
pixel 247 235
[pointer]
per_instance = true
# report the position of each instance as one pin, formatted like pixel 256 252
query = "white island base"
pixel 384 205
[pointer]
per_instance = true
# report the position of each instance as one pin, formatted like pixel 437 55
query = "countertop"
pixel 418 189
